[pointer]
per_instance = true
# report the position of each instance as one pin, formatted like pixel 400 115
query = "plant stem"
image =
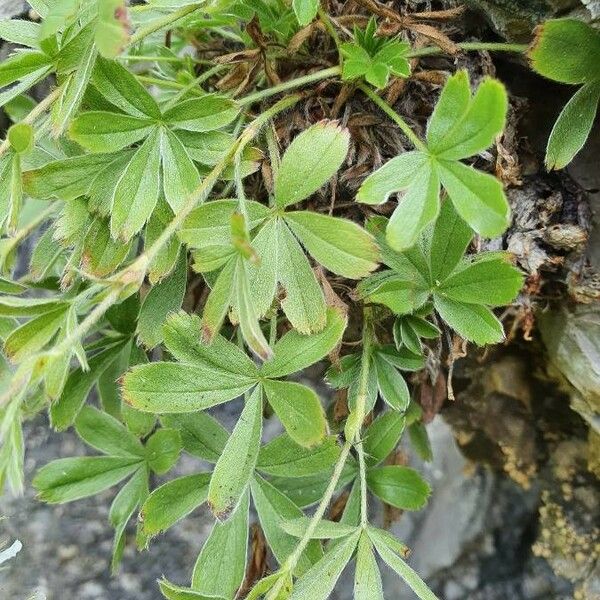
pixel 360 410
pixel 292 560
pixel 191 87
pixel 392 114
pixel 290 85
pixel 471 46
pixel 329 26
pixel 163 59
pixel 157 24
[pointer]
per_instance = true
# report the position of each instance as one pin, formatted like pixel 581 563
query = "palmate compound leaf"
pixel 568 51
pixel 461 126
pixel 462 290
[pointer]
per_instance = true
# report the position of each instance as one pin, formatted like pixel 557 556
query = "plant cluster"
pixel 132 165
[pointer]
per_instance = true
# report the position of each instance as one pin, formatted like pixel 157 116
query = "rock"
pixel 573 342
pixel 12 8
pixel 516 19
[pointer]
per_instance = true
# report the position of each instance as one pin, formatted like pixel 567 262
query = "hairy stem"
pixel 290 85
pixel 158 24
pixel 360 410
pixel 392 114
pixel 471 46
pixel 292 560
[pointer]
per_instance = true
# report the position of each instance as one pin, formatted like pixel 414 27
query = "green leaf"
pixel 478 197
pixel 235 466
pixel 219 301
pixel 573 126
pixel 78 386
pixel 26 307
pixel 73 89
pixel 367 579
pixel 21 64
pixel 493 282
pixel 121 510
pixel 182 341
pixel 294 352
pixel 398 486
pixel 31 337
pixel 163 387
pixel 389 555
pixel 283 457
pixel 392 385
pixel 452 104
pixel 418 207
pixel 69 479
pixel 382 436
pixel 173 501
pixel 566 50
pixel 310 161
pixel 209 224
pixel 162 299
pixel 202 114
pixel 122 89
pixel 166 259
pixel 298 409
pixel 274 509
pixel 449 241
pixel 324 530
pixel 246 313
pixel 207 148
pixel 396 175
pixel 112 28
pixel 304 303
pixel 473 322
pixel 264 275
pixel 179 175
pixel 19 31
pixel 339 245
pixel 305 10
pixel 137 192
pixel 420 441
pixel 162 450
pixel 21 137
pixel 101 254
pixel 201 435
pixel 175 592
pixel 106 434
pixel 318 582
pixel 59 15
pixel 305 491
pixel 221 564
pixel 460 129
pixel 99 131
pixel 65 179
